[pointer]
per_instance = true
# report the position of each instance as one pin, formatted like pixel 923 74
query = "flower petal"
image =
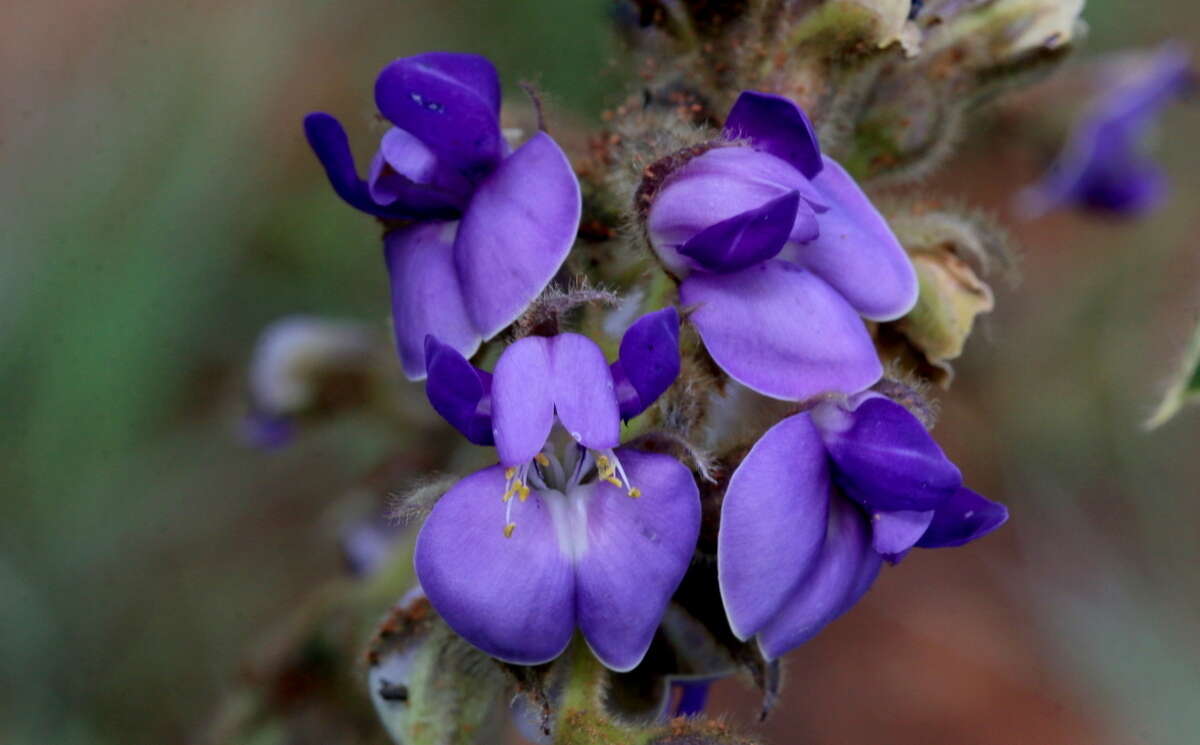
pixel 828 590
pixel 648 362
pixel 583 390
pixel 772 523
pixel 895 532
pixel 778 126
pixel 637 553
pixel 719 185
pixel 426 294
pixel 511 597
pixel 328 140
pixel 745 239
pixel 451 102
pixel 781 331
pixel 883 456
pixel 857 252
pixel 516 233
pixel 522 403
pixel 459 391
pixel 963 518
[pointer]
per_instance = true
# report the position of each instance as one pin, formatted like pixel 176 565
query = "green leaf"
pixel 1184 389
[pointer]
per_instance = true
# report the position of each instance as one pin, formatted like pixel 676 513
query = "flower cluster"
pixel 778 256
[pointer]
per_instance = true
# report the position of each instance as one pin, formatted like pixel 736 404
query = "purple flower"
pixel 568 529
pixel 1103 166
pixel 820 501
pixel 484 230
pixel 294 359
pixel 780 252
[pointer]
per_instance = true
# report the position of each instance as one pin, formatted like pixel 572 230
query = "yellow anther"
pixel 523 492
pixel 508 530
pixel 542 459
pixel 510 472
pixel 614 481
pixel 602 461
pixel 635 492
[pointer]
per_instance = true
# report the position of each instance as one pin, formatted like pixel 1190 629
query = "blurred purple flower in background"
pixel 1103 166
pixel 781 253
pixel 475 232
pixel 821 500
pixel 568 529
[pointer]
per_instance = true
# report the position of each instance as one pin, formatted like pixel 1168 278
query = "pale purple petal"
pixel 883 456
pixel 459 391
pixel 781 331
pixel 857 252
pixel 637 552
pixel 963 518
pixel 511 597
pixel 745 239
pixel 516 233
pixel 426 294
pixel 585 398
pixel 772 523
pixel 648 362
pixel 522 402
pixel 448 101
pixel 827 591
pixel 895 532
pixel 778 126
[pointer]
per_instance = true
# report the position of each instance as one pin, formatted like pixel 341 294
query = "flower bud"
pixel 951 296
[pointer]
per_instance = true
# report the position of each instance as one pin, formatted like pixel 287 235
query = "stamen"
pixel 609 469
pixel 508 530
pixel 542 459
pixel 510 472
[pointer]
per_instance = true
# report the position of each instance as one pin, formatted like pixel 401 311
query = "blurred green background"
pixel 160 206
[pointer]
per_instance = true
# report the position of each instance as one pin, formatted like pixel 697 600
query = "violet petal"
pixel 781 331
pixel 522 400
pixel 883 456
pixel 778 126
pixel 516 233
pixel 636 555
pixel 745 239
pixel 772 523
pixel 451 102
pixel 857 252
pixel 895 532
pixel 331 146
pixel 648 361
pixel 583 392
pixel 426 295
pixel 963 518
pixel 828 590
pixel 459 391
pixel 511 597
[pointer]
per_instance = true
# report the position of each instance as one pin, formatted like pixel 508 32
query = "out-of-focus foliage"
pixel 160 207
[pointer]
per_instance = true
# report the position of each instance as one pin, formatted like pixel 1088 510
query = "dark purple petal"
pixel 583 391
pixel 893 533
pixel 516 233
pixel 328 140
pixel 857 252
pixel 693 697
pixel 781 331
pixel 772 523
pixel 828 590
pixel 451 102
pixel 648 362
pixel 426 295
pixel 745 239
pixel 511 597
pixel 522 400
pixel 459 391
pixel 266 431
pixel 778 126
pixel 719 185
pixel 637 551
pixel 963 518
pixel 883 456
